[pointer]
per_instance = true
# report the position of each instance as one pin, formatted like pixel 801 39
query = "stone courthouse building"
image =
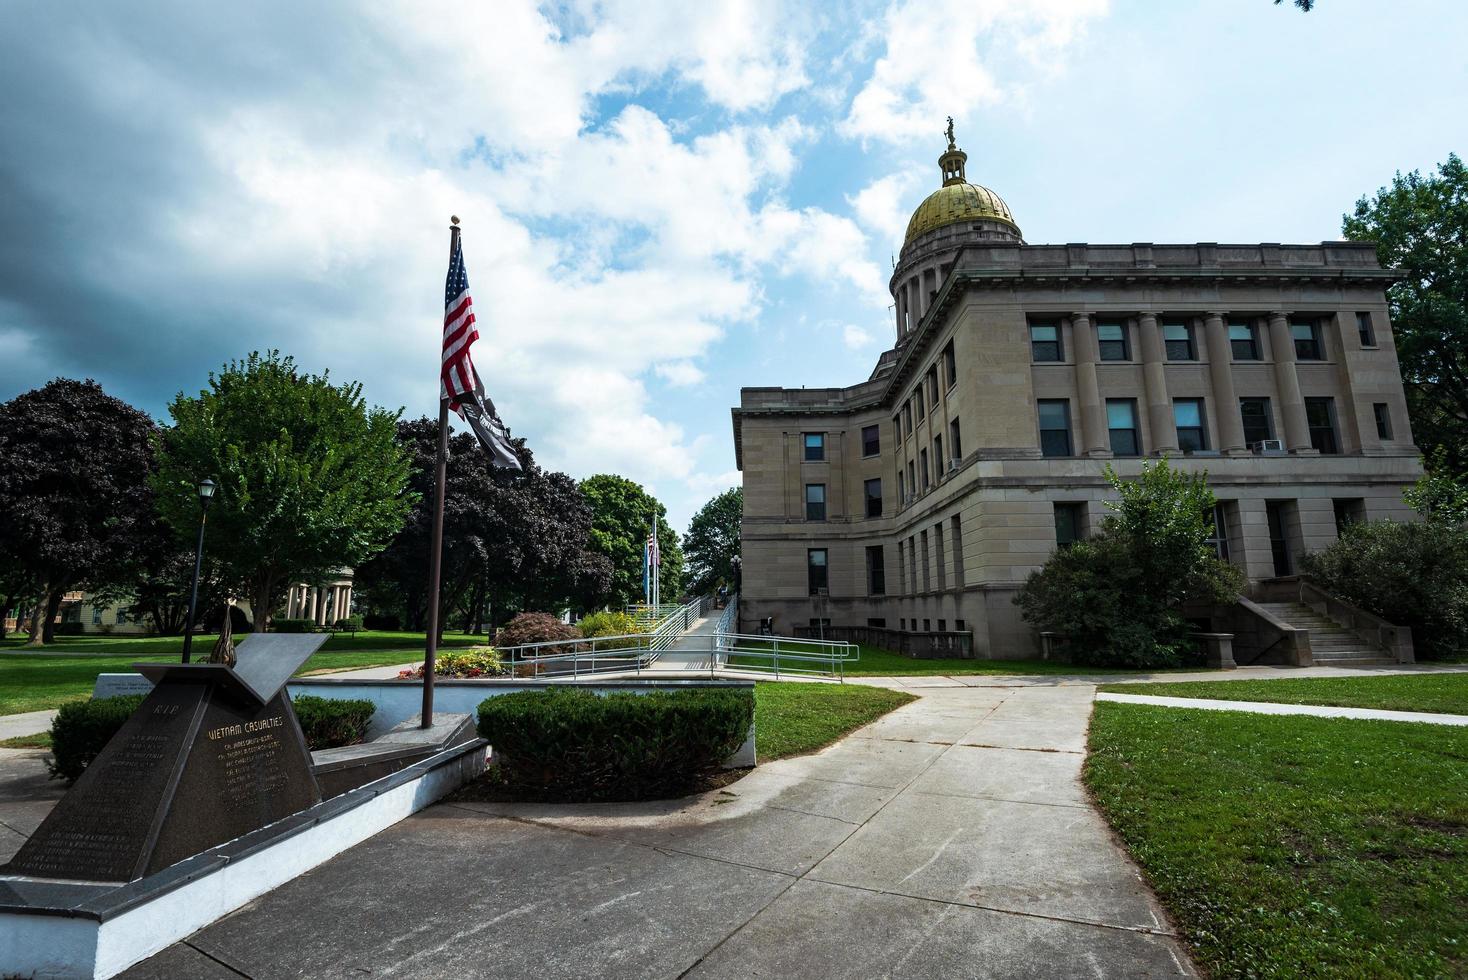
pixel 920 499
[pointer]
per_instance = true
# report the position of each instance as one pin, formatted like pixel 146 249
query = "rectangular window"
pixel 877 622
pixel 1363 327
pixel 1178 339
pixel 1320 416
pixel 955 444
pixel 1218 537
pixel 1278 518
pixel 896 431
pixel 933 387
pixel 815 447
pixel 1055 427
pixel 939 556
pixel 939 465
pixel 927 568
pixel 1348 510
pixel 815 501
pixel 950 365
pixel 902 623
pixel 1258 421
pixel 1121 421
pixel 1070 523
pixel 873 492
pixel 917 397
pixel 955 534
pixel 876 572
pixel 942 626
pixel 901 568
pixel 871 440
pixel 923 466
pixel 1383 420
pixel 907 416
pixel 1243 340
pixel 911 480
pixel 901 489
pixel 1306 334
pixel 121 616
pixel 959 626
pixel 96 615
pixel 1111 339
pixel 912 563
pixel 1192 434
pixel 1045 342
pixel 927 626
pixel 816 572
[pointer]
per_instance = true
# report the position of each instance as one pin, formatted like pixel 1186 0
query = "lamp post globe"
pixel 205 490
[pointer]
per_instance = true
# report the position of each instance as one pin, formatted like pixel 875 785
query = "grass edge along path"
pixel 877 662
pixel 1444 693
pixel 1289 846
pixel 34 681
pixel 793 718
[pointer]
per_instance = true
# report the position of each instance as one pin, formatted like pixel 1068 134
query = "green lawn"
pixel 1395 692
pixel 1289 846
pixel 794 718
pixel 37 681
pixel 876 662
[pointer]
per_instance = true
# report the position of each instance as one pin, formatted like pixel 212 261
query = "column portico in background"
pixel 1287 380
pixel 1154 380
pixel 1094 436
pixel 1221 378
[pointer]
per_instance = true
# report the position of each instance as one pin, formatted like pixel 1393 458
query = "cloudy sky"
pixel 662 201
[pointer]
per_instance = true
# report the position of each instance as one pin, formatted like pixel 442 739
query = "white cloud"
pixel 680 373
pixel 855 337
pixel 885 205
pixel 947 57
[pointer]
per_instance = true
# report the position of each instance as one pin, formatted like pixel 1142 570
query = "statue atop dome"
pixel 949 133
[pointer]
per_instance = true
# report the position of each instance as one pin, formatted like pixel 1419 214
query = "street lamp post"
pixel 206 493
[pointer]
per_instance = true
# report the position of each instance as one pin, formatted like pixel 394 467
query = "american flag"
pixel 653 556
pixel 460 381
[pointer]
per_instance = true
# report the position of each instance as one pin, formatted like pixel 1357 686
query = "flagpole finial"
pixel 453 219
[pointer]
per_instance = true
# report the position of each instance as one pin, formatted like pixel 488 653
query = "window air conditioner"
pixel 1268 446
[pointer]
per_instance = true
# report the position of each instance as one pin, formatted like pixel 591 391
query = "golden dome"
pixel 955 202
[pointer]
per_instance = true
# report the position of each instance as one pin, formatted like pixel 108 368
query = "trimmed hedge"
pixel 573 745
pixel 294 625
pixel 331 722
pixel 536 627
pixel 81 729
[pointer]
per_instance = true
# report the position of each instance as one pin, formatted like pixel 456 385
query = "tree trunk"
pixel 5 608
pixel 260 603
pixel 53 606
pixel 38 609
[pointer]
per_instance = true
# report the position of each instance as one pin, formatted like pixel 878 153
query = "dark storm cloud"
pixel 102 167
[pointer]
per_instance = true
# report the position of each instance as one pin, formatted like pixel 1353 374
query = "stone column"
pixel 1095 440
pixel 1287 381
pixel 1221 376
pixel 347 600
pixel 1154 378
pixel 290 603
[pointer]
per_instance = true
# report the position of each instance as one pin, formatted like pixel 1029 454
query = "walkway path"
pixel 25 723
pixel 949 838
pixel 1276 708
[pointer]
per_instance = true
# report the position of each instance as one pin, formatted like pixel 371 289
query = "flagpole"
pixel 435 546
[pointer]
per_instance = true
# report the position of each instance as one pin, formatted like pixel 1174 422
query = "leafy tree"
pixel 309 478
pixel 1421 226
pixel 1117 598
pixel 512 541
pixel 73 492
pixel 712 541
pixel 1305 5
pixel 622 512
pixel 1411 573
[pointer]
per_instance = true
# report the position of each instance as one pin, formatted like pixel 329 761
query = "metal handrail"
pixel 834 654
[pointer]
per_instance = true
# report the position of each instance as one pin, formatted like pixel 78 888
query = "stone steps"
pixel 1331 644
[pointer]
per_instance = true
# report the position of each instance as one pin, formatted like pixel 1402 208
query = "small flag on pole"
pixel 460 381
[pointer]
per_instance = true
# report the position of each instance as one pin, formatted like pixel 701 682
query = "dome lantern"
pixel 958 201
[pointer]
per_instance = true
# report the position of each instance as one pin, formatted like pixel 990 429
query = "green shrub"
pixel 1116 598
pixel 612 624
pixel 294 625
pixel 349 624
pixel 331 722
pixel 81 729
pixel 1410 574
pixel 574 745
pixel 536 627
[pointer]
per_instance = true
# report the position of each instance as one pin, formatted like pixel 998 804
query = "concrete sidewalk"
pixel 25 723
pixel 949 838
pixel 1279 708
